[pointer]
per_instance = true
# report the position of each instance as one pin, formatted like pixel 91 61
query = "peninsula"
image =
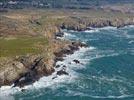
pixel 29 43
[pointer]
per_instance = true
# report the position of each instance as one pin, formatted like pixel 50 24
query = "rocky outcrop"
pixel 76 61
pixel 27 69
pixel 24 71
pixel 10 72
pixel 59 34
pixel 68 50
pixel 36 69
pixel 62 72
pixel 82 24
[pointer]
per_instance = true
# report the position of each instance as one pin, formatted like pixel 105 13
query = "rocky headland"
pixel 24 69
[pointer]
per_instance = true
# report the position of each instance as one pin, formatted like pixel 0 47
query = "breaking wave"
pixel 8 91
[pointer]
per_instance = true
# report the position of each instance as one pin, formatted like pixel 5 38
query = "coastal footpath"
pixel 30 44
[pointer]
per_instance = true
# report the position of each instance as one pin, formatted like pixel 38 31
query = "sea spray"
pixel 7 91
pixel 106 71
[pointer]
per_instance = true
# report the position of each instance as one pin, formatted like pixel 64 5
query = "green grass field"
pixel 21 46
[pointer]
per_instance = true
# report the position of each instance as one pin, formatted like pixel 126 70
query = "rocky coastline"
pixel 34 73
pixel 25 70
pixel 33 68
pixel 84 24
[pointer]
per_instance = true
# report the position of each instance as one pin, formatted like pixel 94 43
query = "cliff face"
pixel 37 61
pixel 45 22
pixel 25 70
pixel 80 24
pixel 10 72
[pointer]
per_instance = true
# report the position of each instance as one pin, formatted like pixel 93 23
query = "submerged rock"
pixel 54 77
pixel 79 44
pixel 57 66
pixel 64 66
pixel 23 90
pixel 62 72
pixel 76 61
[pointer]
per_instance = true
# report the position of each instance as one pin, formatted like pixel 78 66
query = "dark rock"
pixel 26 79
pixel 70 50
pixel 120 26
pixel 73 48
pixel 38 23
pixel 62 72
pixel 59 34
pixel 58 59
pixel 76 61
pixel 64 66
pixel 23 90
pixel 79 44
pixel 57 66
pixel 3 10
pixel 36 70
pixel 58 54
pixel 88 28
pixel 81 29
pixel 25 61
pixel 67 51
pixel 45 71
pixel 37 62
pixel 63 52
pixel 54 77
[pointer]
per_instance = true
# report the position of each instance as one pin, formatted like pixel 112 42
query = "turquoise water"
pixel 106 72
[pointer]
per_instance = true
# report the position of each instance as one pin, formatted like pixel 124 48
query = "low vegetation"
pixel 14 46
pixel 29 31
pixel 28 44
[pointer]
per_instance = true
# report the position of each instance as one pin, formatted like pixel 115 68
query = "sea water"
pixel 105 72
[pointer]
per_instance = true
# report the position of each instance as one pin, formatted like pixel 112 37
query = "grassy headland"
pixel 27 38
pixel 15 46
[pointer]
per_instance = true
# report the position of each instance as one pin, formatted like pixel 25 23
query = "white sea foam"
pixel 42 83
pixel 78 93
pixel 128 36
pixel 106 28
pixel 8 91
pixel 7 97
pixel 98 29
pixel 102 55
pixel 130 42
pixel 91 31
pixel 129 26
pixel 112 97
pixel 109 28
pixel 109 79
pixel 74 93
pixel 67 35
pixel 91 48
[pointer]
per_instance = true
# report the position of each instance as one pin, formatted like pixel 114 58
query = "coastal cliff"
pixel 81 24
pixel 25 70
pixel 33 56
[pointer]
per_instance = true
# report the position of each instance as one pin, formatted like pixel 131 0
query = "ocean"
pixel 105 71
